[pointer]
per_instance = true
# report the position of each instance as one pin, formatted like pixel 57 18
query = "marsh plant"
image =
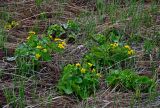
pixel 81 80
pixel 37 49
pixel 128 80
pixel 108 53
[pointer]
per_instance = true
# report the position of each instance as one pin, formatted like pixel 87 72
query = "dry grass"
pixel 40 90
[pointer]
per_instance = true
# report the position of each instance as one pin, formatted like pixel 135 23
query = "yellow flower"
pixel 61 46
pixel 45 50
pixel 83 70
pixel 90 64
pixel 28 37
pixel 128 47
pixel 57 39
pixel 50 37
pixel 8 26
pixel 39 47
pixel 38 56
pixel 64 43
pixel 78 64
pixel 31 33
pixel 130 52
pixel 14 23
pixel 114 45
pixel 98 75
pixel 93 70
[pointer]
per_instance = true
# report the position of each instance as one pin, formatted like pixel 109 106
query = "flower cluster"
pixel 114 45
pixel 30 34
pixel 108 54
pixel 40 47
pixel 44 50
pixel 9 26
pixel 89 67
pixel 37 56
pixel 130 51
pixel 81 79
pixel 62 45
pixel 57 39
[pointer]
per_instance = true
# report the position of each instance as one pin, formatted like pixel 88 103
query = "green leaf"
pixel 38 2
pixel 68 91
pixel 114 38
pixel 46 57
pixel 78 80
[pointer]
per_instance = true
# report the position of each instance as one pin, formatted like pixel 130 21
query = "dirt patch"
pixel 2 99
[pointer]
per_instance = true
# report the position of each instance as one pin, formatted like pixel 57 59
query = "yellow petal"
pixel 83 70
pixel 28 37
pixel 78 64
pixel 61 46
pixel 38 56
pixel 14 23
pixel 39 47
pixel 98 75
pixel 8 26
pixel 90 64
pixel 45 50
pixel 57 39
pixel 128 47
pixel 130 52
pixel 31 33
pixel 93 70
pixel 50 37
pixel 64 43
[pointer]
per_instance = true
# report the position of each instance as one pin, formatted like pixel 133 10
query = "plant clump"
pixel 129 80
pixel 82 80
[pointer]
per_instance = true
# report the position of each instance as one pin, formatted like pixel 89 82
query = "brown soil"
pixel 2 99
